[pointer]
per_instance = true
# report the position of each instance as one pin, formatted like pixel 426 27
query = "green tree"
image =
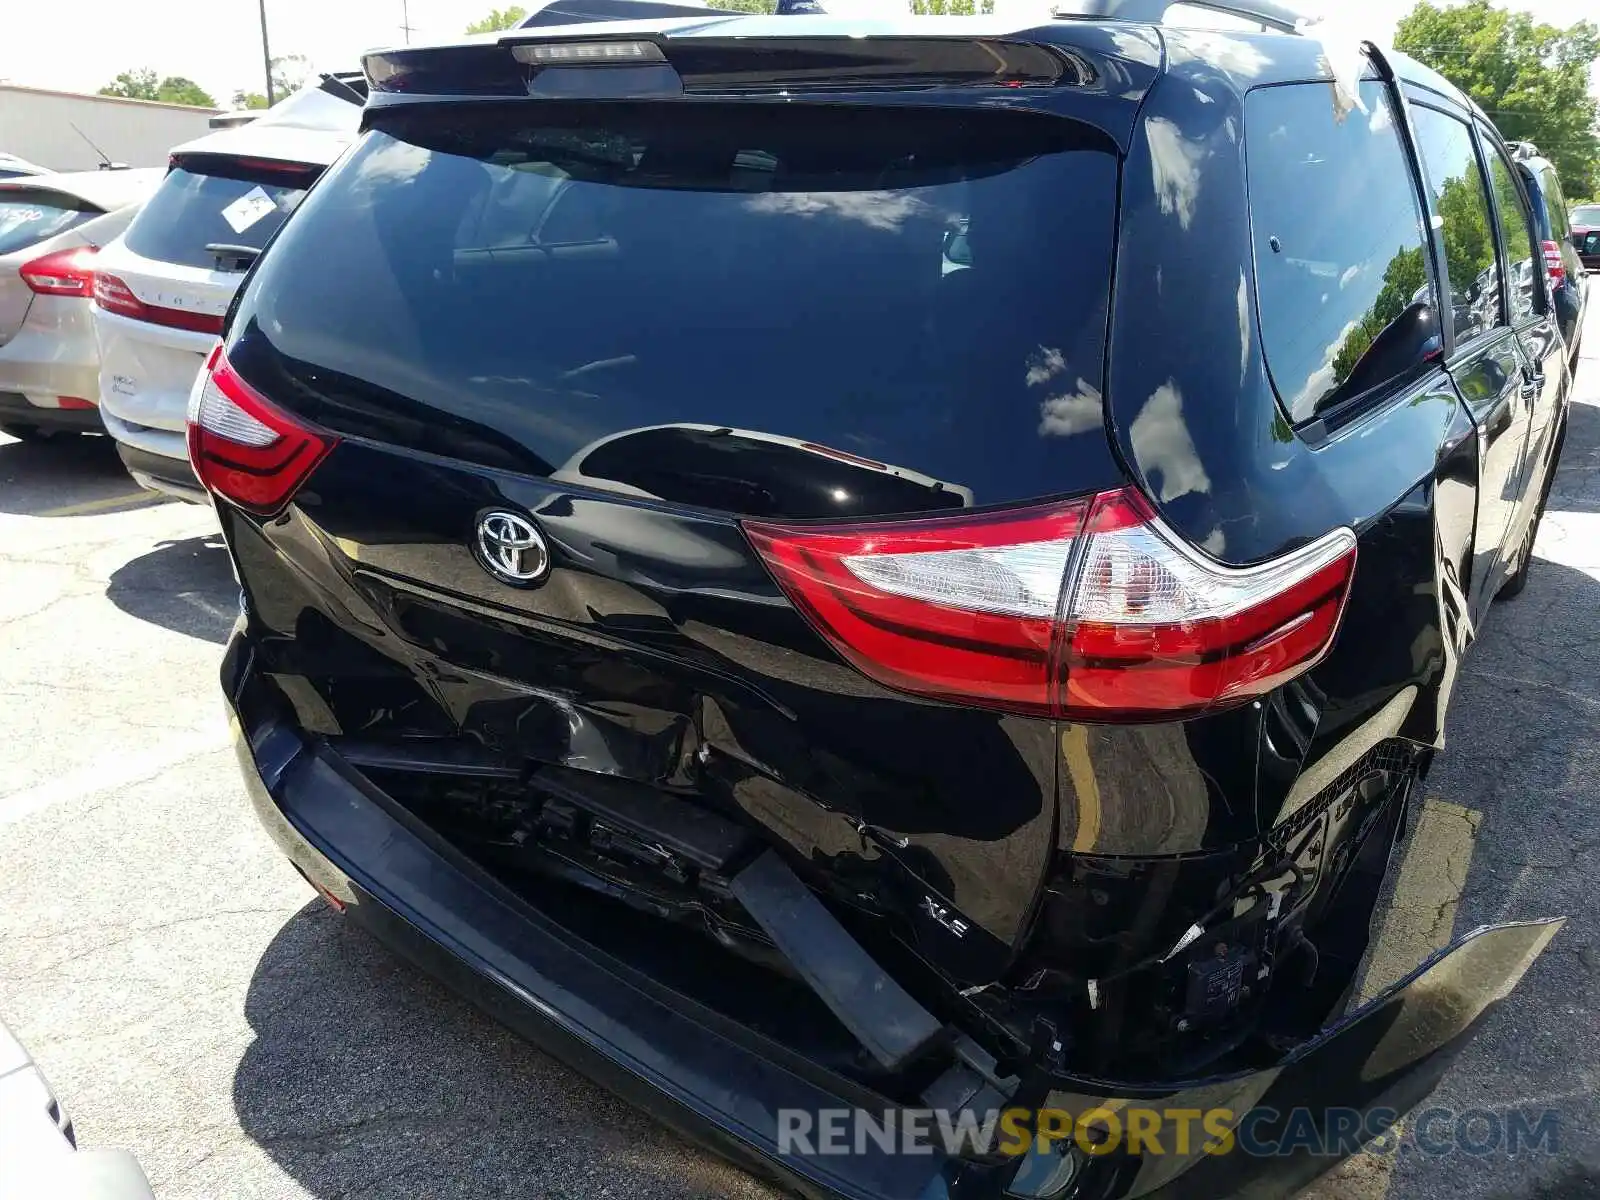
pixel 951 8
pixel 1402 279
pixel 138 84
pixel 1531 78
pixel 745 6
pixel 289 74
pixel 175 89
pixel 142 84
pixel 499 18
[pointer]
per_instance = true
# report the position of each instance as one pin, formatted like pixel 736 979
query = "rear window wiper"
pixel 231 257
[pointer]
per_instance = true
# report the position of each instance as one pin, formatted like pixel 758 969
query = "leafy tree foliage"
pixel 1531 78
pixel 289 74
pixel 1402 280
pixel 499 18
pixel 141 83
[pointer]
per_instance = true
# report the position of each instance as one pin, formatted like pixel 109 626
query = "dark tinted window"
pixel 1340 266
pixel 920 295
pixel 1511 215
pixel 28 216
pixel 1548 186
pixel 191 210
pixel 1461 199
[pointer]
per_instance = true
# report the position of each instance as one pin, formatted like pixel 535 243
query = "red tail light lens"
pixel 1553 263
pixel 243 447
pixel 62 273
pixel 1091 609
pixel 958 608
pixel 113 295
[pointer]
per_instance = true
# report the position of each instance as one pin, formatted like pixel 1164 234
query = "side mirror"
pixel 956 249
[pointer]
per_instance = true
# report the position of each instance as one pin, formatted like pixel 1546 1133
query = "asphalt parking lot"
pixel 192 1001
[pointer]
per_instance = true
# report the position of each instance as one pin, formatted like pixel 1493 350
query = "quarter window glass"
pixel 1512 220
pixel 1341 271
pixel 1461 199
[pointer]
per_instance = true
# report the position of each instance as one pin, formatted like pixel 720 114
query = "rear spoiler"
pixel 651 64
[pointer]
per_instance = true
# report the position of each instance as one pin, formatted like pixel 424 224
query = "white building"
pixel 55 129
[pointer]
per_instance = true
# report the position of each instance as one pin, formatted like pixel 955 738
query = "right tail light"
pixel 1090 609
pixel 243 447
pixel 1554 265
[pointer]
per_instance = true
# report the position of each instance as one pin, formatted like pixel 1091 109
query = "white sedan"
pixel 51 228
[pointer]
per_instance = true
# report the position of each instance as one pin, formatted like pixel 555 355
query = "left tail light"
pixel 243 447
pixel 61 273
pixel 1554 265
pixel 1091 609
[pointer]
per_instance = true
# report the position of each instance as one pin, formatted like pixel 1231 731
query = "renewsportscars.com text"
pixel 1262 1131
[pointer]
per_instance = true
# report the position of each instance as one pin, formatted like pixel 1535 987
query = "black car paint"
pixel 661 652
pixel 723 1085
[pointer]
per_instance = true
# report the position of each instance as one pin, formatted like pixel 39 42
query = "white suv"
pixel 162 288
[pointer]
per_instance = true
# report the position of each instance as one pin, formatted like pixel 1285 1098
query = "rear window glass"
pixel 28 217
pixel 1338 244
pixel 191 211
pixel 923 289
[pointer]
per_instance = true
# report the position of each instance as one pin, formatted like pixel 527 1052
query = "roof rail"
pixel 1278 16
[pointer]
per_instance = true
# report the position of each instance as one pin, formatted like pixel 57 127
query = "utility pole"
pixel 266 53
pixel 405 19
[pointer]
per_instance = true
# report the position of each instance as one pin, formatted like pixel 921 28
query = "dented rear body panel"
pixel 819 282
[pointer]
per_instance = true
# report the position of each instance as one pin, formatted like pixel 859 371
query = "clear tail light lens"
pixel 1090 609
pixel 1554 266
pixel 243 447
pixel 61 273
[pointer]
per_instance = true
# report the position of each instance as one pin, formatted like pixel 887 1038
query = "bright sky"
pixel 217 43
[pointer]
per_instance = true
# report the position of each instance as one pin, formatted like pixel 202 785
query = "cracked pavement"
pixel 192 1002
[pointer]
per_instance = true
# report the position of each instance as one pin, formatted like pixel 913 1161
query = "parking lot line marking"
pixel 110 774
pixel 139 499
pixel 1075 749
pixel 1420 920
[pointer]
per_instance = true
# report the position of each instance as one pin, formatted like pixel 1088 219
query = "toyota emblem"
pixel 512 549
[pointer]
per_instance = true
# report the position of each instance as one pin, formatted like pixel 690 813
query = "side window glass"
pixel 1511 215
pixel 1555 203
pixel 1346 306
pixel 1460 198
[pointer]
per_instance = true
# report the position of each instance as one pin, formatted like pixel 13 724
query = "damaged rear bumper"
pixel 721 1088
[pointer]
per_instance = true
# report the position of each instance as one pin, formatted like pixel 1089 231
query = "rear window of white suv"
pixel 237 204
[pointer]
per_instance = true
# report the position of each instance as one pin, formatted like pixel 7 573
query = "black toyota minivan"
pixel 811 564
